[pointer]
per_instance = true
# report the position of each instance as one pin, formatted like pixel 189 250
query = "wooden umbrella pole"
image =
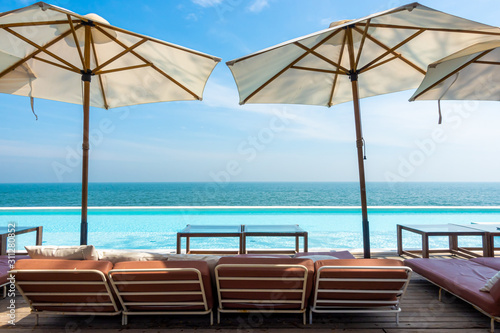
pixel 361 168
pixel 85 145
pixel 359 143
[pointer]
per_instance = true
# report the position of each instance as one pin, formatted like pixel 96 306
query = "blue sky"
pixel 218 140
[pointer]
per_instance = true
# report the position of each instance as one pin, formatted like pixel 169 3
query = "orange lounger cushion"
pixel 371 279
pixel 82 285
pixel 248 279
pixel 170 285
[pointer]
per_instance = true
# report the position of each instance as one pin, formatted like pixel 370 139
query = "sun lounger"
pixel 65 287
pixel 272 285
pixel 359 286
pixel 163 287
pixel 464 279
pixel 5 267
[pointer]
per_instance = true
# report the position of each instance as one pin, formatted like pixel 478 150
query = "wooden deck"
pixel 422 312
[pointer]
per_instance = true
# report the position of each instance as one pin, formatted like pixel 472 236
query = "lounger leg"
pixel 124 319
pixel 310 317
pixel 397 318
pixel 492 325
pixel 304 320
pixel 4 291
pixel 439 295
pixel 36 320
pixel 218 316
pixel 211 318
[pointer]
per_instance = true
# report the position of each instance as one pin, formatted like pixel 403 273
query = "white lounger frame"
pixel 359 306
pixel 302 280
pixel 102 282
pixel 126 311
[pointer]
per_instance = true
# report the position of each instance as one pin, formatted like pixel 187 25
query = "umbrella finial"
pixel 337 23
pixel 44 6
pixel 412 6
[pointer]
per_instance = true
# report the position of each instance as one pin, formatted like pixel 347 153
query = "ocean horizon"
pixel 149 215
pixel 123 194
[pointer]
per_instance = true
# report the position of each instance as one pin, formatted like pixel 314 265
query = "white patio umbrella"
pixel 52 53
pixel 378 54
pixel 472 73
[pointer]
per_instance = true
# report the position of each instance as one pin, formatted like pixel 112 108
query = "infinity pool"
pixel 157 227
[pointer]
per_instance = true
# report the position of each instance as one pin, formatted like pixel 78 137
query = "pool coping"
pixel 253 208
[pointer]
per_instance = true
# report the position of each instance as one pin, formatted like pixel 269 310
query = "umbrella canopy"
pixel 52 53
pixel 469 74
pixel 378 54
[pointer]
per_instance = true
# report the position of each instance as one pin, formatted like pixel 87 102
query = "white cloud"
pixel 207 3
pixel 15 148
pixel 258 5
pixel 192 17
pixel 325 23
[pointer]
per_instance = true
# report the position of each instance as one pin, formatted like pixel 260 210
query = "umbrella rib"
pixel 308 51
pixel 363 38
pixel 101 84
pixel 42 49
pixel 28 57
pixel 325 59
pixel 122 69
pixel 77 43
pixel 317 70
pixel 148 62
pixel 335 79
pixel 30 24
pixel 119 55
pixel 432 29
pixel 57 65
pixel 391 50
pixel 98 25
pixel 174 80
pixel 452 73
pixel 380 63
pixel 401 57
pixel 487 62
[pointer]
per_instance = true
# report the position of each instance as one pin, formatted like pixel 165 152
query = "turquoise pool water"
pixel 156 228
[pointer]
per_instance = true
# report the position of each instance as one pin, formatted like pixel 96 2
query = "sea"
pixel 250 194
pixel 148 216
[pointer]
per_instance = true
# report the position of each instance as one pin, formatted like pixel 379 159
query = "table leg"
pixel 306 243
pixel 3 244
pixel 39 233
pixel 179 243
pixel 487 245
pixel 491 244
pixel 399 232
pixel 297 249
pixel 425 246
pixel 453 239
pixel 187 244
pixel 242 245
